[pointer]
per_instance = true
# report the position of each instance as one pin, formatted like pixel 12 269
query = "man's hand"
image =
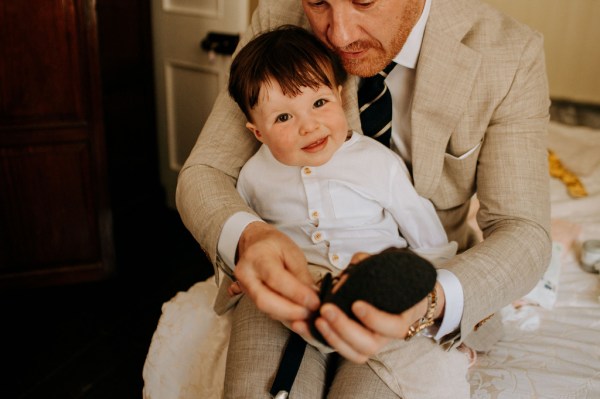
pixel 273 272
pixel 358 342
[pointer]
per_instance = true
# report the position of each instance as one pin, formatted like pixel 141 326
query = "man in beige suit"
pixel 470 107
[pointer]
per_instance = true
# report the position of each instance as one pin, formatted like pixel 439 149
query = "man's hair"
pixel 288 55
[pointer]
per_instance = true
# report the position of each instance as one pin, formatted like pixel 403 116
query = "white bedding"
pixel 549 353
pixel 555 353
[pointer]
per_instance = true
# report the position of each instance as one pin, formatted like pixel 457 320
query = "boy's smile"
pixel 303 130
pixel 316 146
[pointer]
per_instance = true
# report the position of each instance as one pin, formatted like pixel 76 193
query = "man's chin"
pixel 363 68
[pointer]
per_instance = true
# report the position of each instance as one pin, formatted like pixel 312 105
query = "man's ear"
pixel 254 131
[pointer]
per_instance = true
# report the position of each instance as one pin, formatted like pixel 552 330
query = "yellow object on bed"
pixel 574 185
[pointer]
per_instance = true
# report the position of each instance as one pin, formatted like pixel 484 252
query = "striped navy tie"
pixel 375 106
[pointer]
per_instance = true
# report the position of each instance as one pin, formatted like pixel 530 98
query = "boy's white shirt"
pixel 401 85
pixel 342 207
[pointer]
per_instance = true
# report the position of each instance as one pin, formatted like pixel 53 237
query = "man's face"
pixel 366 34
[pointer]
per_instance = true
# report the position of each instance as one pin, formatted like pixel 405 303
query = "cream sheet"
pixel 546 353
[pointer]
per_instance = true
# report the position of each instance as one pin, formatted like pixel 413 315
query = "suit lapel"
pixel 445 75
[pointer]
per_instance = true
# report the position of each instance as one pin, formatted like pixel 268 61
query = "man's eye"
pixel 317 5
pixel 320 102
pixel 282 118
pixel 364 3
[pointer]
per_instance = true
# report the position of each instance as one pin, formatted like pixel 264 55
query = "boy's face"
pixel 366 34
pixel 305 130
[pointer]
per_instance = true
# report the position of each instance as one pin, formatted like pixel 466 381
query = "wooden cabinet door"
pixel 55 220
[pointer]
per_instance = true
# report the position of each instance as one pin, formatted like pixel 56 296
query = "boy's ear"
pixel 254 131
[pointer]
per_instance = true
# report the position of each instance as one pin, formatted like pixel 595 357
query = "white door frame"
pixel 187 78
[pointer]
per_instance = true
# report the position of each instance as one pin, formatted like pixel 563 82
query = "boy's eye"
pixel 320 102
pixel 282 118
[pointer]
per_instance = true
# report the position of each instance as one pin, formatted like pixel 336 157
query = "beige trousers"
pixel 418 369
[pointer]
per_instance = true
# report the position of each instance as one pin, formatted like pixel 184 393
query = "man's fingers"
pixel 281 280
pixel 295 262
pixel 351 339
pixel 288 286
pixel 274 273
pixel 300 327
pixel 386 324
pixel 336 342
pixel 272 303
pixel 234 289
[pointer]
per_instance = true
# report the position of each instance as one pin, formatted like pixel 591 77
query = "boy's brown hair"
pixel 288 55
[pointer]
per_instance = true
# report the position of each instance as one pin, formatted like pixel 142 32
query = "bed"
pixel 551 348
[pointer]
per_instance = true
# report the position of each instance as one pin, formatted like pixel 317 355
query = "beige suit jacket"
pixel 479 124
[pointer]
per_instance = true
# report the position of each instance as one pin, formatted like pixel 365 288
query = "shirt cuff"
pixel 230 236
pixel 453 311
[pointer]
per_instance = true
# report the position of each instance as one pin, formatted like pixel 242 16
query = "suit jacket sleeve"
pixel 512 187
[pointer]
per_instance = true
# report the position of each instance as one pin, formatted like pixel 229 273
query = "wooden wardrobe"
pixel 55 209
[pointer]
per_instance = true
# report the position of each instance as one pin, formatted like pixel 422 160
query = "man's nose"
pixel 342 28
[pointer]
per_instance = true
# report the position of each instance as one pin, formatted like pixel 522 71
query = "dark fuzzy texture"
pixel 393 281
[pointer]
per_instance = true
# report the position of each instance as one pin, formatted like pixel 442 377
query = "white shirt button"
pixel 317 237
pixel 306 171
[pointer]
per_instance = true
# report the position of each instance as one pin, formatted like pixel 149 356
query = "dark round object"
pixel 393 281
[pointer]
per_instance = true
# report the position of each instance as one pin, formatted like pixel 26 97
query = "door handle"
pixel 220 43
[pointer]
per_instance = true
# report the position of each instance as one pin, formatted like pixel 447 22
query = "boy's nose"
pixel 309 125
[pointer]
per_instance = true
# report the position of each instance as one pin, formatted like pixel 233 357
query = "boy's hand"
pixel 273 272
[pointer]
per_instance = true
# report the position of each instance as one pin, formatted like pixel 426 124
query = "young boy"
pixel 334 192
